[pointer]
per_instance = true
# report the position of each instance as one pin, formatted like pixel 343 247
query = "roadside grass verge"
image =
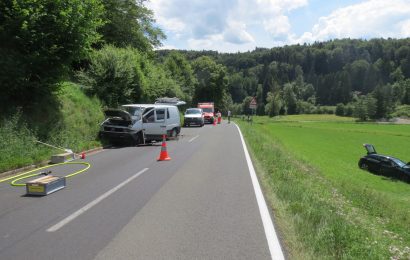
pixel 70 120
pixel 17 145
pixel 324 205
pixel 80 119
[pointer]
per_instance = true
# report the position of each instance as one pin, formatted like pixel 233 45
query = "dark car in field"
pixel 384 165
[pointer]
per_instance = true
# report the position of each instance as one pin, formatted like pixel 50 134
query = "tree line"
pixel 363 78
pixel 108 47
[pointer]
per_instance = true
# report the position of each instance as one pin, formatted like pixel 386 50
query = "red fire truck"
pixel 208 110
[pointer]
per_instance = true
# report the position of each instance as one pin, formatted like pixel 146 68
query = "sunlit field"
pixel 325 205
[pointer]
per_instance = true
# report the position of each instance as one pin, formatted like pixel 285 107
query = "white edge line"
pixel 93 203
pixel 193 138
pixel 271 236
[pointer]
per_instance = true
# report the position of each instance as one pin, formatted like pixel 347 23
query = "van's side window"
pixel 160 114
pixel 150 118
pixel 167 113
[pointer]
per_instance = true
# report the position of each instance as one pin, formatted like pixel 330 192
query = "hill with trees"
pixel 364 78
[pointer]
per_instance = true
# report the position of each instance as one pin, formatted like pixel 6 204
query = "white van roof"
pixel 170 101
pixel 148 105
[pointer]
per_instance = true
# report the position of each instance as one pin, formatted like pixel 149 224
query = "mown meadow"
pixel 324 205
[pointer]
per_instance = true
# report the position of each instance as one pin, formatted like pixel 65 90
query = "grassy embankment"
pixel 70 120
pixel 325 206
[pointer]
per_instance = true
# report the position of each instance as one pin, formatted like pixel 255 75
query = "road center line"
pixel 93 203
pixel 273 241
pixel 193 138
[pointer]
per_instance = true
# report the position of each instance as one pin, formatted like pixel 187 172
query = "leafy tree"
pixel 349 110
pixel 358 71
pixel 212 80
pixel 371 107
pixel 260 109
pixel 289 99
pixel 340 109
pixel 124 75
pixel 226 102
pixel 273 104
pixel 397 75
pixel 39 40
pixel 181 72
pixel 236 87
pixel 371 79
pixel 130 23
pixel 159 84
pixel 384 100
pixel 321 61
pixel 303 107
pixel 250 84
pixel 360 110
pixel 307 92
pixel 115 75
pixel 406 97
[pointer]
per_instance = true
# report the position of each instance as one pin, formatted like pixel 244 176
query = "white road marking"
pixel 193 138
pixel 93 203
pixel 273 241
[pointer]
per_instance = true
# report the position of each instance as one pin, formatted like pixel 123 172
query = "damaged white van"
pixel 140 123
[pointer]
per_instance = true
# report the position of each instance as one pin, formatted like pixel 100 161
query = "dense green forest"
pixel 108 48
pixel 363 78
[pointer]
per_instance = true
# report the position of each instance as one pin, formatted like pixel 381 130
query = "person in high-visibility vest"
pixel 219 115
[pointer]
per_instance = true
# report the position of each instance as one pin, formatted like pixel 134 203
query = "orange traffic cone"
pixel 163 156
pixel 83 155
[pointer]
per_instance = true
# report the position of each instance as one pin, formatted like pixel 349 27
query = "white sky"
pixel 242 25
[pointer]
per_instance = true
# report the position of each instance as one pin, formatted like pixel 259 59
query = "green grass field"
pixel 325 205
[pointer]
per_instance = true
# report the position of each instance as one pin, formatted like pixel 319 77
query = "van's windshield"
pixel 135 112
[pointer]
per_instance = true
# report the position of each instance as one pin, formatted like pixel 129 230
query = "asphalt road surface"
pixel 199 205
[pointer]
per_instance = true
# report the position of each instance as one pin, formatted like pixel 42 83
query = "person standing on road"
pixel 229 116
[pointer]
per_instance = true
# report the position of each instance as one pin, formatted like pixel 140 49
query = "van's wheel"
pixel 137 140
pixel 173 134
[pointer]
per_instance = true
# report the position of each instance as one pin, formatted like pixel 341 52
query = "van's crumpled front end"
pixel 140 123
pixel 119 126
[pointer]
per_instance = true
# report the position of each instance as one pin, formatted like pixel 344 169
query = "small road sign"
pixel 253 104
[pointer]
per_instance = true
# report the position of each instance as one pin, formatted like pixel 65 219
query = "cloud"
pixel 404 28
pixel 372 18
pixel 195 18
pixel 241 25
pixel 236 33
pixel 173 24
pixel 227 22
pixel 277 26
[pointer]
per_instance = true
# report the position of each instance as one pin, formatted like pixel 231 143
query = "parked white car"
pixel 140 123
pixel 194 116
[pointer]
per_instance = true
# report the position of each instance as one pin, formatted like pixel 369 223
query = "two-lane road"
pixel 199 205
